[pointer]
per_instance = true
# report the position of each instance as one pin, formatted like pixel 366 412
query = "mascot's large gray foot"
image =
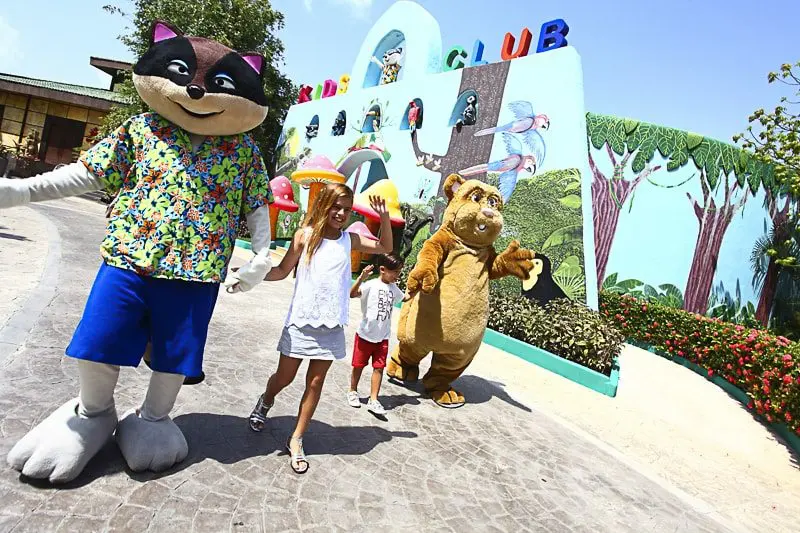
pixel 59 447
pixel 147 437
pixel 148 445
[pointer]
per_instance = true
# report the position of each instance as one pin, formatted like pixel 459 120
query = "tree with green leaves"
pixel 243 25
pixel 721 166
pixel 774 138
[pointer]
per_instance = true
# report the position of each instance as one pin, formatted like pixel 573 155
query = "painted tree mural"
pixel 723 170
pixel 766 270
pixel 464 150
pixel 714 221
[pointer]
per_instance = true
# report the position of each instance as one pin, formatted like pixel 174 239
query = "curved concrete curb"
pixel 15 331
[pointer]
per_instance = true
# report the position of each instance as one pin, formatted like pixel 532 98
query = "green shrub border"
pixel 574 372
pixel 591 379
pixel 778 427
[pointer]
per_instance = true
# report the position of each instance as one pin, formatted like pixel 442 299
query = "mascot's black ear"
pixel 451 185
pixel 161 31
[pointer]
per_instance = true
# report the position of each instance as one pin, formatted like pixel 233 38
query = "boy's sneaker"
pixel 375 407
pixel 353 399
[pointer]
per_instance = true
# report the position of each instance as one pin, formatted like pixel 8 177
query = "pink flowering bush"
pixel 764 365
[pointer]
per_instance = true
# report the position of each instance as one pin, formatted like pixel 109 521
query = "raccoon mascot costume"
pixel 185 173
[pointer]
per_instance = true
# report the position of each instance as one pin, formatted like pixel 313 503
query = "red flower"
pixel 788 416
pixel 710 372
pixel 750 404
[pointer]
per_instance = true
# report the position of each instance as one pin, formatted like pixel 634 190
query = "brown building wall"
pixel 23 115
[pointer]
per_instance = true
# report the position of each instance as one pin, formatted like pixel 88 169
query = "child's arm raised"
pixel 386 243
pixel 289 260
pixel 355 290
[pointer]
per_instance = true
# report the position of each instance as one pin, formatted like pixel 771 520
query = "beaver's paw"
pixel 422 278
pixel 515 261
pixel 450 398
pixel 406 374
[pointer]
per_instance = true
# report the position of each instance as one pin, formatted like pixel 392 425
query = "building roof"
pixel 65 92
pixel 110 66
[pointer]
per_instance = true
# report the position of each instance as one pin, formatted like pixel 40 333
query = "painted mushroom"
pixel 314 174
pixel 283 194
pixel 387 190
pixel 359 228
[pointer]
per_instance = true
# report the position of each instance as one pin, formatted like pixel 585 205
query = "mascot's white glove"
pixel 69 180
pixel 252 273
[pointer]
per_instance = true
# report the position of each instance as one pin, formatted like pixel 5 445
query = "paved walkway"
pixel 498 464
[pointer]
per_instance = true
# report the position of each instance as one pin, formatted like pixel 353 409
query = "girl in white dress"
pixel 314 328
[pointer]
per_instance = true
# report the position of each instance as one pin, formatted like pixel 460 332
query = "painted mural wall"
pixel 677 216
pixel 651 211
pixel 491 122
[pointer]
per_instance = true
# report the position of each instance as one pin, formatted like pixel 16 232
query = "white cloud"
pixel 10 49
pixel 359 8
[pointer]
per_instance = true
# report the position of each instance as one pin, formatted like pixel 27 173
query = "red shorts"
pixel 363 350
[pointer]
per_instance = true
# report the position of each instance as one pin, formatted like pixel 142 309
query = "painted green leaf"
pixel 670 289
pixel 700 151
pixel 667 141
pixel 712 178
pixel 573 185
pixel 693 140
pixel 610 281
pixel 616 135
pixel 630 125
pixel 597 127
pixel 572 201
pixel 727 158
pixel 570 266
pixel 643 140
pixel 565 235
pixel 712 159
pixel 754 182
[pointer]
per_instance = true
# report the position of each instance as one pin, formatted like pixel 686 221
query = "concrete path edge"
pixel 15 331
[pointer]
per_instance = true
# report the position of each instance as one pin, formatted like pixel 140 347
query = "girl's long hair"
pixel 317 216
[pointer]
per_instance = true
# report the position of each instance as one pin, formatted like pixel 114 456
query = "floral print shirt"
pixel 178 210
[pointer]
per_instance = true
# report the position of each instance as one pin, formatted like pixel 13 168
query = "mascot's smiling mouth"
pixel 197 115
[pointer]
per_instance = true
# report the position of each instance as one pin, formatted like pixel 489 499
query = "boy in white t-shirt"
pixel 378 297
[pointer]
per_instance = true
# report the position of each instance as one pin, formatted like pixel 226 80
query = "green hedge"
pixel 562 327
pixel 756 361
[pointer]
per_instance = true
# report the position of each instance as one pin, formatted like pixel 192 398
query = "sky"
pixel 695 65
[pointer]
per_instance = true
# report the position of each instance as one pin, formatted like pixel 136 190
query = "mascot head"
pixel 199 84
pixel 473 211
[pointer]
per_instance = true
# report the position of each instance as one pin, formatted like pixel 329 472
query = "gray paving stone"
pixel 494 465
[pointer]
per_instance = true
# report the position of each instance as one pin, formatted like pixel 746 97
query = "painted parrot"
pixel 527 123
pixel 510 166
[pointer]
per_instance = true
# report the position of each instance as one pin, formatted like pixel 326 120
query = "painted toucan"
pixel 541 287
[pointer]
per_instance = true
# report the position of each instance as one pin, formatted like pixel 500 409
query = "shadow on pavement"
pixel 476 390
pixel 227 439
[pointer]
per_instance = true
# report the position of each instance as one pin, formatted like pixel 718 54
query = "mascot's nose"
pixel 195 92
pixel 488 212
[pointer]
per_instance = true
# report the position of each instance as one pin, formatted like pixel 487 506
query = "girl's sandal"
pixel 298 460
pixel 258 418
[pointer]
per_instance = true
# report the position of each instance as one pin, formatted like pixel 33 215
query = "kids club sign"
pixel 552 35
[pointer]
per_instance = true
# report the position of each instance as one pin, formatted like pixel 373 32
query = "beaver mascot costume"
pixel 447 303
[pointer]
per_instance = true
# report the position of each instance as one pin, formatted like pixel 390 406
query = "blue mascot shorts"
pixel 125 310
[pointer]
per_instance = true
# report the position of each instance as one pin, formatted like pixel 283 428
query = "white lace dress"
pixel 319 310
